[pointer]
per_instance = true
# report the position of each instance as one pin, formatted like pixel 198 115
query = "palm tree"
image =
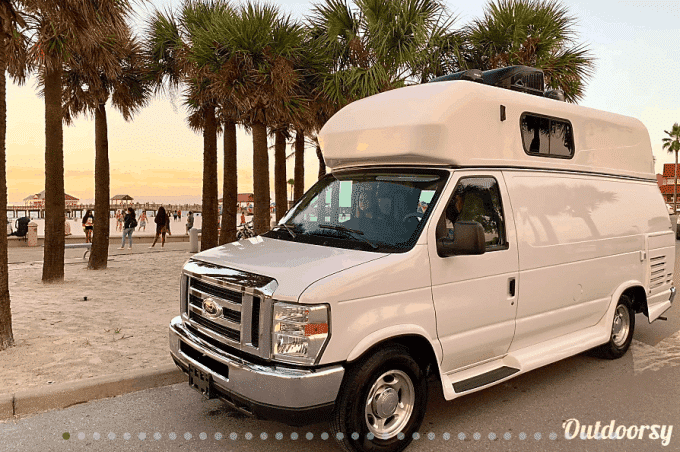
pixel 280 136
pixel 174 60
pixel 230 182
pixel 537 33
pixel 66 33
pixel 213 54
pixel 128 92
pixel 264 45
pixel 12 61
pixel 672 144
pixel 299 164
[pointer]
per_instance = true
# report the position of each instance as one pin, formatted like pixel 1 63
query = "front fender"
pixel 392 332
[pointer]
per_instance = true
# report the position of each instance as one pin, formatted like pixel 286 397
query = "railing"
pixel 74 209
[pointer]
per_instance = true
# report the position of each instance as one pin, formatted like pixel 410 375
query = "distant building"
pixel 666 181
pixel 244 200
pixel 121 199
pixel 38 200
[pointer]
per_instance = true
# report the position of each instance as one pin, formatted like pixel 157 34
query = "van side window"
pixel 478 199
pixel 547 137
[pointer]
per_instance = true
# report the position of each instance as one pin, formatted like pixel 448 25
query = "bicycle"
pixel 245 230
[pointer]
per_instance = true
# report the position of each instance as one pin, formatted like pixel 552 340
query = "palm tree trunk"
pixel 280 174
pixel 299 164
pixel 100 237
pixel 6 336
pixel 260 179
pixel 319 155
pixel 229 186
pixel 55 205
pixel 210 210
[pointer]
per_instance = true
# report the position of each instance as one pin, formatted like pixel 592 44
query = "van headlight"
pixel 299 332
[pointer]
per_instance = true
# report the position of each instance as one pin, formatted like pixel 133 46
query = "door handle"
pixel 511 287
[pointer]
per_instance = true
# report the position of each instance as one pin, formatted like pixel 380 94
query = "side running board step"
pixel 484 379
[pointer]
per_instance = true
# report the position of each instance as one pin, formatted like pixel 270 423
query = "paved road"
pixel 534 405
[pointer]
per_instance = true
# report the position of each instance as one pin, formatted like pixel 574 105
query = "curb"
pixel 64 395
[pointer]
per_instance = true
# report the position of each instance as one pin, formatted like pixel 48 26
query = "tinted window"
pixel 477 199
pixel 549 137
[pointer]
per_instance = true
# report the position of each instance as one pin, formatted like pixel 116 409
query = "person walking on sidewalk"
pixel 129 225
pixel 167 225
pixel 88 225
pixel 142 222
pixel 161 220
pixel 190 221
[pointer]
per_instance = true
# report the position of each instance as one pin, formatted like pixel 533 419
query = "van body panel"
pixel 369 298
pixel 477 285
pixel 564 218
pixel 294 265
pixel 579 237
pixel 536 355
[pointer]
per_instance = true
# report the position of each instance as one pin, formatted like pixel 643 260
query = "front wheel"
pixel 382 402
pixel 623 326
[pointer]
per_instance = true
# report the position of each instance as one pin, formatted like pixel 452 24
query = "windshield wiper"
pixel 287 228
pixel 350 231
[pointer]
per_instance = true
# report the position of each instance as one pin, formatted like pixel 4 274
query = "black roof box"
pixel 517 78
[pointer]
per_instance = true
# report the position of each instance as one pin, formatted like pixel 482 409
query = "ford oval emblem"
pixel 211 308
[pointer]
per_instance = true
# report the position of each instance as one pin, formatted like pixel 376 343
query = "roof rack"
pixel 517 78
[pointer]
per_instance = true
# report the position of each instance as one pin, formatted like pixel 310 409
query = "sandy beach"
pixel 94 323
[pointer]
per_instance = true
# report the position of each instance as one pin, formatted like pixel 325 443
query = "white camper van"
pixel 466 232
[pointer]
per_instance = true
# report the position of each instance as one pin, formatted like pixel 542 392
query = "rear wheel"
pixel 382 402
pixel 623 326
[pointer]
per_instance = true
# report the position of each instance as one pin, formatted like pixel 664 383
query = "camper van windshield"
pixel 373 210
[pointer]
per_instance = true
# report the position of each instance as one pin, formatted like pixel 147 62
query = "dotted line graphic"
pixel 294 436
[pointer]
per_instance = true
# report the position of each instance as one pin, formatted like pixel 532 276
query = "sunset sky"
pixel 157 158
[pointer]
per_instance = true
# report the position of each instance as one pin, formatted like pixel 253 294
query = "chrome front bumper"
pixel 268 386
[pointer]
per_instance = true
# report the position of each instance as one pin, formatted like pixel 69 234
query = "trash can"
pixel 32 234
pixel 193 240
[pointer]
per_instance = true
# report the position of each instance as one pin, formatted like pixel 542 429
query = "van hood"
pixel 293 265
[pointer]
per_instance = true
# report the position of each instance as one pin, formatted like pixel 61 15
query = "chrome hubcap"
pixel 389 404
pixel 621 326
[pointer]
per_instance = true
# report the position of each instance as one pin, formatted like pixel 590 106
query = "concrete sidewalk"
pixel 99 334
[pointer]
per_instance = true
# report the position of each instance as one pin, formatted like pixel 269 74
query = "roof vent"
pixel 517 78
pixel 556 94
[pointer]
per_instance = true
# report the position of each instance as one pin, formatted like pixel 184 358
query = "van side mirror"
pixel 468 239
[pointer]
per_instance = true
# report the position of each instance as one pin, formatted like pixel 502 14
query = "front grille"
pixel 234 316
pixel 241 299
pixel 255 322
pixel 216 327
pixel 216 291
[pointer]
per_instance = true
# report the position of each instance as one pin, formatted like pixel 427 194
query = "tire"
pixel 623 327
pixel 397 387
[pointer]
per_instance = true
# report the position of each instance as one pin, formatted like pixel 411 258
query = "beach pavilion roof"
pixel 122 198
pixel 41 197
